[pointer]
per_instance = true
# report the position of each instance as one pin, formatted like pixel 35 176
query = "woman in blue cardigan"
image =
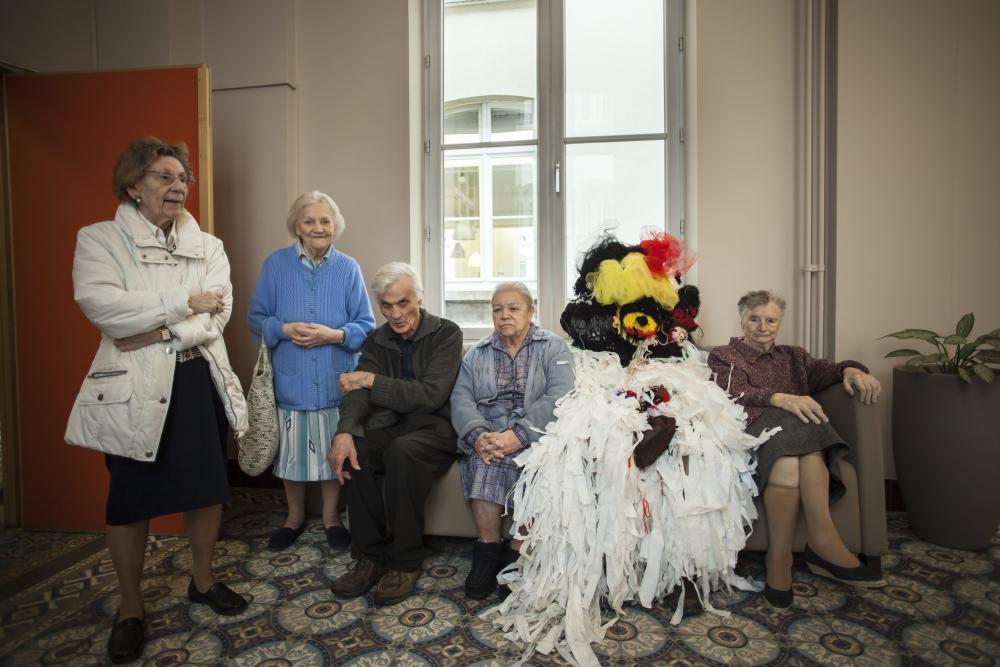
pixel 311 308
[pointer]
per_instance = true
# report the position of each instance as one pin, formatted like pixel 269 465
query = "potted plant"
pixel 946 434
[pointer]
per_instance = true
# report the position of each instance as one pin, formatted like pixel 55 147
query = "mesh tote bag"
pixel 260 444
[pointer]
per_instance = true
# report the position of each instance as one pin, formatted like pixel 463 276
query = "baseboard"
pixel 893 497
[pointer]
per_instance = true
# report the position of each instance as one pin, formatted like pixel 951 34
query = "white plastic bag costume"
pixel 599 527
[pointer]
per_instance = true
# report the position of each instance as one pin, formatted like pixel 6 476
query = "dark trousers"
pixel 406 458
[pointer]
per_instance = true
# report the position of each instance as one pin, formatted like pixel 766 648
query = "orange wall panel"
pixel 64 132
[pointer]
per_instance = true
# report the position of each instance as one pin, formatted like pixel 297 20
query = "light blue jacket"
pixel 333 294
pixel 474 398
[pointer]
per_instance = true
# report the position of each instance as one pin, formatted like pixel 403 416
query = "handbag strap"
pixel 263 365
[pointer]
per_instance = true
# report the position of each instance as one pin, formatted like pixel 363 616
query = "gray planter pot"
pixel 946 442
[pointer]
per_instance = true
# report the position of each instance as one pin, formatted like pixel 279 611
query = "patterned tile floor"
pixel 941 607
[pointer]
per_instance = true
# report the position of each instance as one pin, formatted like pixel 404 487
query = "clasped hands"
pixel 312 335
pixel 207 302
pixel 492 447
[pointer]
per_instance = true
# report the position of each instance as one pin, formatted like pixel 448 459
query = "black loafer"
pixel 861 576
pixel 126 640
pixel 220 597
pixel 284 537
pixel 337 537
pixel 777 598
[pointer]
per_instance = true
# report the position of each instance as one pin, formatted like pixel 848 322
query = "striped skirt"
pixel 304 439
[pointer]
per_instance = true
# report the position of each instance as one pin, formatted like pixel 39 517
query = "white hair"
pixel 758 298
pixel 392 272
pixel 314 197
pixel 516 286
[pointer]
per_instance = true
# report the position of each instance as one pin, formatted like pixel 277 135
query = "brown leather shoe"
pixel 361 576
pixel 395 587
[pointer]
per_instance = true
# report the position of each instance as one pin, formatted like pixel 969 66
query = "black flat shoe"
pixel 126 640
pixel 861 576
pixel 219 597
pixel 777 598
pixel 337 537
pixel 284 537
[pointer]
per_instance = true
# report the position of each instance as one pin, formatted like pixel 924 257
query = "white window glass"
pixel 489 54
pixel 612 187
pixel 548 124
pixel 614 67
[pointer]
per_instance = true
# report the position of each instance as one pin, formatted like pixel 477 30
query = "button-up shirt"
pixel 307 259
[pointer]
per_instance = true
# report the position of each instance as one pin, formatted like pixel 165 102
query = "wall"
pixel 741 186
pixel 918 231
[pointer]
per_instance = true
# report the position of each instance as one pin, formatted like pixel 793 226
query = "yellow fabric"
pixel 630 280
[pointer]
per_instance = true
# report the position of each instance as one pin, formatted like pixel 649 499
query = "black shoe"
pixel 861 576
pixel 220 597
pixel 285 537
pixel 126 640
pixel 337 537
pixel 777 598
pixel 487 559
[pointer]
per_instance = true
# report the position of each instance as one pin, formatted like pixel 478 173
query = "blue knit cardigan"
pixel 332 294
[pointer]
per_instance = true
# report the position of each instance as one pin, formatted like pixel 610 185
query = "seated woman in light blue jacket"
pixel 506 389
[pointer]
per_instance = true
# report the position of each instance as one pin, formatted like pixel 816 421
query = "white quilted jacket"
pixel 127 283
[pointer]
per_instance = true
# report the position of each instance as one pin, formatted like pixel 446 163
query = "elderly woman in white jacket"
pixel 160 394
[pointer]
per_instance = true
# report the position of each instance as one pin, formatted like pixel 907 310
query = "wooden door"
pixel 64 132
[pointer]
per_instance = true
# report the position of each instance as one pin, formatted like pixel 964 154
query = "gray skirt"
pixel 798 439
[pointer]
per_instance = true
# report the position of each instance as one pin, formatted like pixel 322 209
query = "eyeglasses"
pixel 166 178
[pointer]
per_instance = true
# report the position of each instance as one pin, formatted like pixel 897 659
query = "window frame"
pixel 550 143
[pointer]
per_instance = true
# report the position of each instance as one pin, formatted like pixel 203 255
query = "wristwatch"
pixel 165 334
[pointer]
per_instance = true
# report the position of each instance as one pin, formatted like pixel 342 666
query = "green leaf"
pixel 984 372
pixel 922 334
pixel 915 362
pixel 935 358
pixel 992 334
pixel 901 353
pixel 986 339
pixel 965 375
pixel 955 339
pixel 964 327
pixel 966 350
pixel 987 356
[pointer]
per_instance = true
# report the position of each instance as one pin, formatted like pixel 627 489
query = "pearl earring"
pixel 137 199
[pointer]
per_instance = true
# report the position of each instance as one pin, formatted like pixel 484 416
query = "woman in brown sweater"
pixel 799 463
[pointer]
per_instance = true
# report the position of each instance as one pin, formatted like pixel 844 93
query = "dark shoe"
pixel 284 537
pixel 221 598
pixel 337 537
pixel 778 598
pixel 126 640
pixel 395 587
pixel 861 576
pixel 362 575
pixel 509 557
pixel 487 561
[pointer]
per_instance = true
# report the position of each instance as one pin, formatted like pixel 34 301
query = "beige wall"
pixel 742 183
pixel 919 202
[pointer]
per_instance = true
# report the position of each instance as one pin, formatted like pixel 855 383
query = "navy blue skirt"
pixel 190 467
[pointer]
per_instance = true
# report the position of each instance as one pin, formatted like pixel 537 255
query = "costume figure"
pixel 644 479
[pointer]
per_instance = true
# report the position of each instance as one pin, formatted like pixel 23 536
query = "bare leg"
pixel 295 493
pixel 487 517
pixel 202 528
pixel 127 545
pixel 781 501
pixel 822 534
pixel 331 498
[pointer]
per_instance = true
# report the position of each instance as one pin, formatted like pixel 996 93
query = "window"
pixel 549 122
